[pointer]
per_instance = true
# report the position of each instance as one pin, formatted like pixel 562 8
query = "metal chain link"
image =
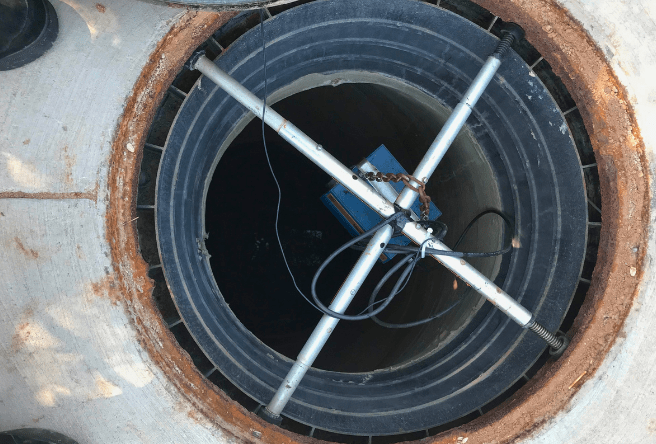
pixel 405 178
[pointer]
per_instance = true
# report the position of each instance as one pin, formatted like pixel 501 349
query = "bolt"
pixel 354 177
pixel 382 245
pixel 319 147
pixel 425 179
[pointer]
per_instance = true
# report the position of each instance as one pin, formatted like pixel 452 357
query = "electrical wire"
pixel 372 299
pixel 412 257
pixel 273 174
pixel 322 267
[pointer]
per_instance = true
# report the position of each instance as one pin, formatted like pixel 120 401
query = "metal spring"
pixel 545 334
pixel 503 46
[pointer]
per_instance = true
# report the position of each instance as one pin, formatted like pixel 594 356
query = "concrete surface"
pixel 618 405
pixel 70 360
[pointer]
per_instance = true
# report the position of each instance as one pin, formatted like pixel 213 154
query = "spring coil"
pixel 545 334
pixel 502 48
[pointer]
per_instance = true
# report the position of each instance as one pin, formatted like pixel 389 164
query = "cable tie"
pixel 423 249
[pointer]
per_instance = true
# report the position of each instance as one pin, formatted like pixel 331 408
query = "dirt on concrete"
pixel 28 252
pixel 91 195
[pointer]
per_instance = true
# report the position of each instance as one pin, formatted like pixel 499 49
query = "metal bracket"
pixel 191 63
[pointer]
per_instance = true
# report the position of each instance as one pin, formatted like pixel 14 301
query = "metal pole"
pixel 450 130
pixel 471 276
pixel 294 136
pixel 428 164
pixel 327 323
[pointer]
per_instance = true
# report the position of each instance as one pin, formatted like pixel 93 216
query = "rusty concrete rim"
pixel 619 151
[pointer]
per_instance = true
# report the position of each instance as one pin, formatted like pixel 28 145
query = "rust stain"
pixel 69 163
pixel 105 288
pixel 21 336
pixel 90 195
pixel 608 117
pixel 282 125
pixel 22 333
pixel 79 253
pixel 26 142
pixel 30 253
pixel 101 8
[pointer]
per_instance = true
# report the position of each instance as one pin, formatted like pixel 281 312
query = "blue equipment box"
pixel 355 215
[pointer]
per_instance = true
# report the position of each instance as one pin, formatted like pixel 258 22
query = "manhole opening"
pixel 353 120
pixel 287 345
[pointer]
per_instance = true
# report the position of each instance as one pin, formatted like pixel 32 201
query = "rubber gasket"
pixel 34 436
pixel 527 143
pixel 33 32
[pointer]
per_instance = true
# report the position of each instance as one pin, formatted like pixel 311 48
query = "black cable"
pixel 506 219
pixel 415 323
pixel 405 277
pixel 401 282
pixel 322 267
pixel 386 277
pixel 372 299
pixel 408 249
pixel 395 291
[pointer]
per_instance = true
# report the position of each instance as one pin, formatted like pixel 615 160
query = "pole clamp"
pixel 191 62
pixel 269 417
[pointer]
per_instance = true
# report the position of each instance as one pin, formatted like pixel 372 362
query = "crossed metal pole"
pixel 386 208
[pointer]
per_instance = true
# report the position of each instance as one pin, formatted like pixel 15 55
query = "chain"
pixel 405 178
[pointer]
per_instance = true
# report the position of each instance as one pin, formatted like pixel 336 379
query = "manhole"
pixel 353 78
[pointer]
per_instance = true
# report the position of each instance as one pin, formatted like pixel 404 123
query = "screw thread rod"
pixel 551 339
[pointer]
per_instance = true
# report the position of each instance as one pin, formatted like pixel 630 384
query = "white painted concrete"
pixel 68 357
